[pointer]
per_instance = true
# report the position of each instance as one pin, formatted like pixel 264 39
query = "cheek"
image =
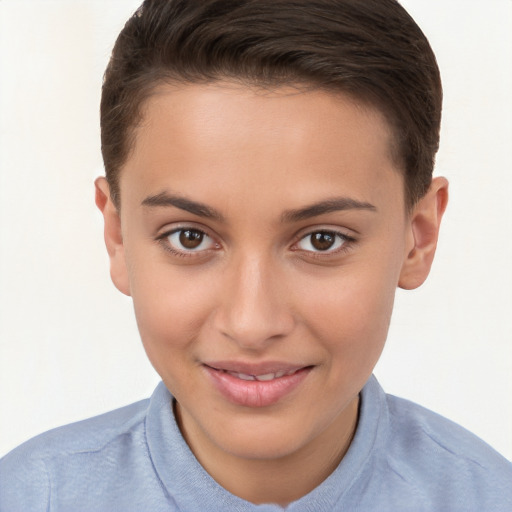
pixel 351 316
pixel 170 308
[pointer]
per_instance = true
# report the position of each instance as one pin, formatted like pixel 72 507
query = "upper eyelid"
pixel 162 240
pixel 167 230
pixel 349 234
pixel 348 243
pixel 344 237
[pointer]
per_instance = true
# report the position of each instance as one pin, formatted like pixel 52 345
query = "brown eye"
pixel 191 238
pixel 322 241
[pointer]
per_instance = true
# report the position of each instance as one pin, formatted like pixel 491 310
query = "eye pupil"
pixel 190 238
pixel 323 240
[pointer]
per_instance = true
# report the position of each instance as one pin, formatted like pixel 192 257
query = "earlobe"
pixel 425 221
pixel 113 236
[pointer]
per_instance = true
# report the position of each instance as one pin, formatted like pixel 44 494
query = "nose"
pixel 255 310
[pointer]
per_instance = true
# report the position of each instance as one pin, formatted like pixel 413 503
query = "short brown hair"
pixel 370 49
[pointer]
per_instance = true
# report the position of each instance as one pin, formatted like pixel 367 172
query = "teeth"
pixel 267 376
pixel 244 376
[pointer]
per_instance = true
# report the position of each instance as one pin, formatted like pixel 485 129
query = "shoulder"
pixel 440 456
pixel 26 472
pixel 419 428
pixel 87 435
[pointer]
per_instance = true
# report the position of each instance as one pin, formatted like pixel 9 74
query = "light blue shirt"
pixel 402 458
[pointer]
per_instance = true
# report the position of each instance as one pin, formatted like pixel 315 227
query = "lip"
pixel 255 393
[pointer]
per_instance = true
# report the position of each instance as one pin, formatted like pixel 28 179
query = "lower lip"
pixel 254 393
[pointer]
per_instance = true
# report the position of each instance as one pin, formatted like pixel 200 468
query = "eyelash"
pixel 163 239
pixel 346 243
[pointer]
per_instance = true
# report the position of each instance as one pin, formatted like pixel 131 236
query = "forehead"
pixel 258 140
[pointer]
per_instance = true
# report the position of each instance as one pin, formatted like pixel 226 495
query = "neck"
pixel 280 480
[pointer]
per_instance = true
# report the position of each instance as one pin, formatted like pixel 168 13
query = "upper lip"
pixel 262 368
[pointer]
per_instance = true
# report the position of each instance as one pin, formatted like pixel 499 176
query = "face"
pixel 263 237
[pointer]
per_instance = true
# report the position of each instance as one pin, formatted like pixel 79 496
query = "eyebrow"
pixel 330 205
pixel 164 199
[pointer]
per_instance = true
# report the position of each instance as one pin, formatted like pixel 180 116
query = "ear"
pixel 113 236
pixel 425 221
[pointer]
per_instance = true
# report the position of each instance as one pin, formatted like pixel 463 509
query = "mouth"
pixel 262 377
pixel 256 385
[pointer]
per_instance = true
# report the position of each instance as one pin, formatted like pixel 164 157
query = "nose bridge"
pixel 254 312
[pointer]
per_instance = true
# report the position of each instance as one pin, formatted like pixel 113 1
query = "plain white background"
pixel 69 346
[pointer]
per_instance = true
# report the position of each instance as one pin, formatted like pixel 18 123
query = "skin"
pixel 256 289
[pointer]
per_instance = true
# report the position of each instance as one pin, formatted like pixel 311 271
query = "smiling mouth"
pixel 255 387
